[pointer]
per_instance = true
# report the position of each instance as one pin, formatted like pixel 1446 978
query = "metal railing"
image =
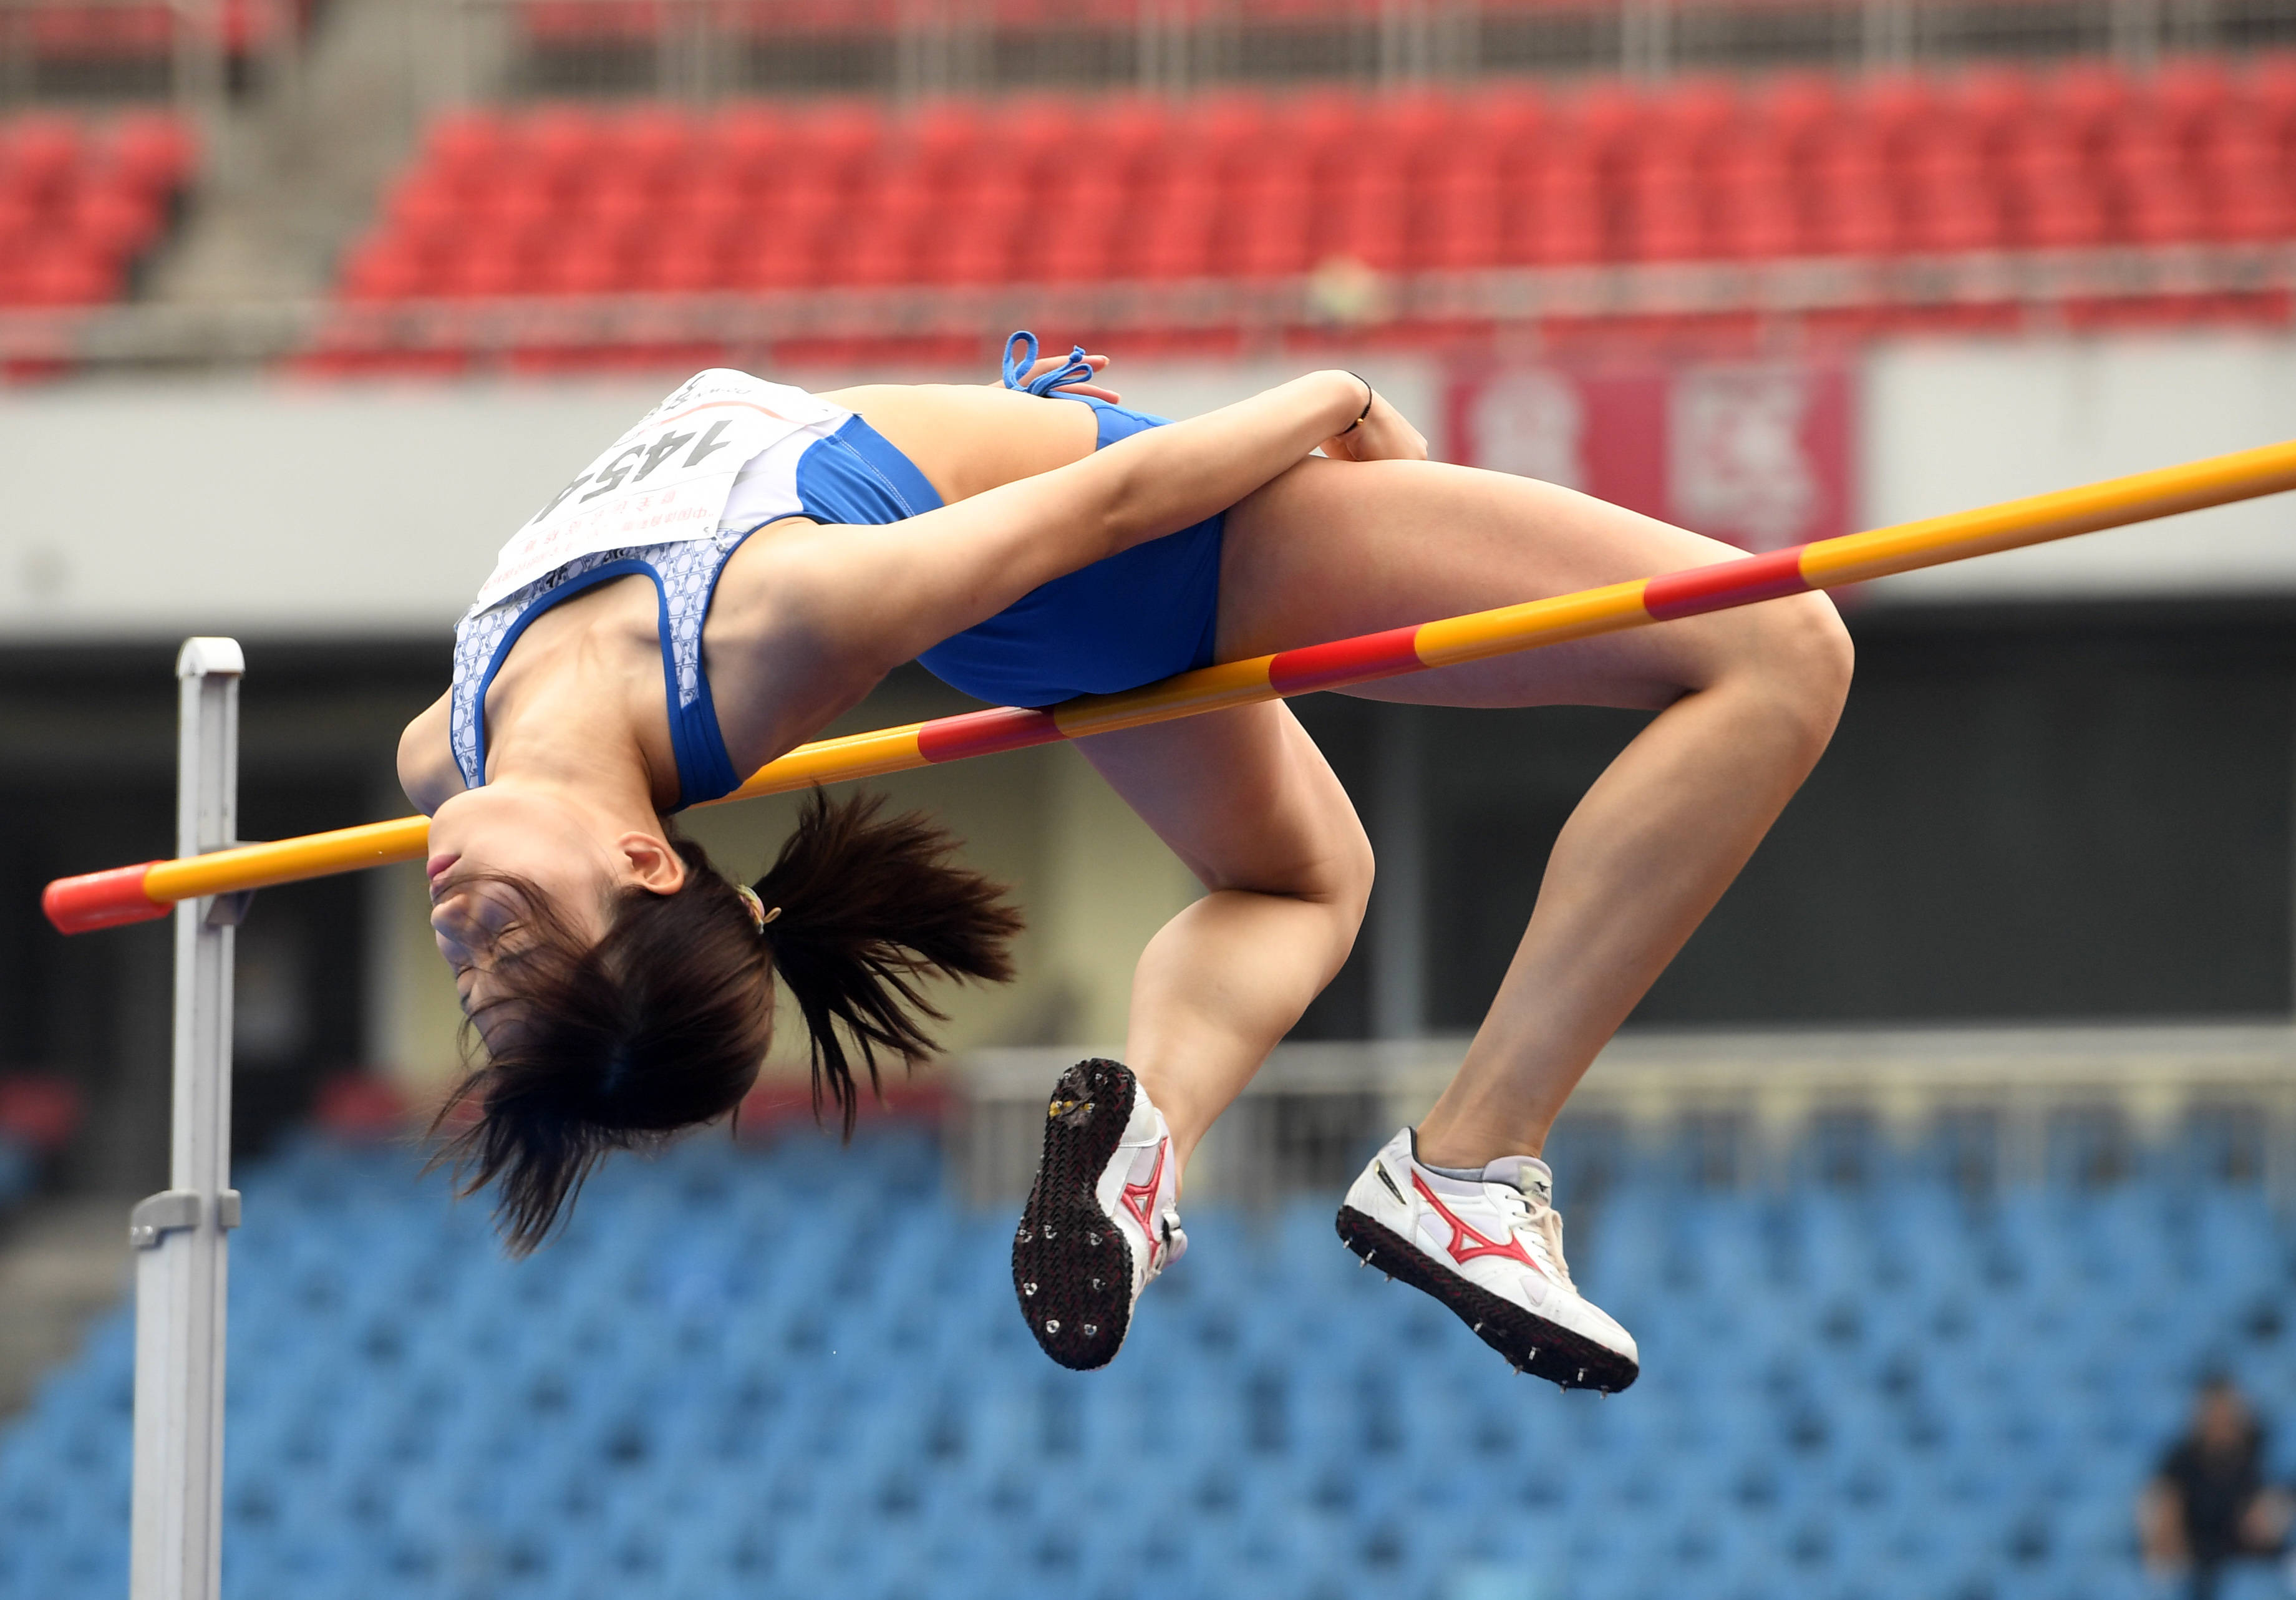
pixel 1990 1107
pixel 699 50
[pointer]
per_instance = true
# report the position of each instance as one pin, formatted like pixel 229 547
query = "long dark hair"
pixel 662 1023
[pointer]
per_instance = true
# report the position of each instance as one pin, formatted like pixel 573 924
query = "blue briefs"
pixel 1128 620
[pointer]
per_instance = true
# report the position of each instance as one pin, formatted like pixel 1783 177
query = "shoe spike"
pixel 1582 1374
pixel 1476 1329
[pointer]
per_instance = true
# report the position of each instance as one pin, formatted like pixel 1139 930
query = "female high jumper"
pixel 749 560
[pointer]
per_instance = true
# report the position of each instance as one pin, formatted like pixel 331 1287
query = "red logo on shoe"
pixel 1140 1200
pixel 1463 1251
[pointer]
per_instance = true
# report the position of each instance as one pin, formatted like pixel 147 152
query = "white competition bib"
pixel 667 478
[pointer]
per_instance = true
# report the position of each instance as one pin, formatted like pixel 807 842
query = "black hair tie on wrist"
pixel 1368 397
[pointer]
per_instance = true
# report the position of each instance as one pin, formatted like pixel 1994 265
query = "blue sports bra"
pixel 851 475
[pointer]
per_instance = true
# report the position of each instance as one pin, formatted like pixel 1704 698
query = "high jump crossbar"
pixel 146 890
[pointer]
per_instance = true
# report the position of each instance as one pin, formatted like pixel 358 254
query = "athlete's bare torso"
pixel 779 670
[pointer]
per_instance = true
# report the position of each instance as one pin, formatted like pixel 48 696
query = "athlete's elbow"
pixel 1125 509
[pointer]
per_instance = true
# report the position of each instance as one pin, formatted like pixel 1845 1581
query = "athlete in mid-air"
pixel 749 560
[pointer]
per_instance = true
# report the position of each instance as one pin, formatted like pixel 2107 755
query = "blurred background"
pixel 1955 1152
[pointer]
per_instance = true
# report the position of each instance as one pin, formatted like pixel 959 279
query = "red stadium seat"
pixel 2055 200
pixel 1693 114
pixel 1605 115
pixel 383 268
pixel 422 207
pixel 1563 222
pixel 879 253
pixel 1945 215
pixel 1268 241
pixel 682 262
pixel 1173 238
pixel 1794 107
pixel 584 266
pixel 1856 222
pixel 1755 196
pixel 60 274
pixel 2248 215
pixel 41 157
pixel 2191 90
pixel 650 145
pixel 488 268
pixel 1664 217
pixel 468 147
pixel 787 254
pixel 1994 100
pixel 2272 86
pixel 111 223
pixel 1464 220
pixel 978 248
pixel 1507 121
pixel 2166 209
pixel 153 152
pixel 2086 97
pixel 840 141
pixel 1081 249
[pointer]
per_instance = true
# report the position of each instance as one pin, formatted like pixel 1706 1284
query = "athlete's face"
pixel 495 832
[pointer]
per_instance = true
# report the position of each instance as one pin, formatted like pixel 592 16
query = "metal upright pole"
pixel 179 1233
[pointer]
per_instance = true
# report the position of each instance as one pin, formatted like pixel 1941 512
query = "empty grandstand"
pixel 792 1371
pixel 568 200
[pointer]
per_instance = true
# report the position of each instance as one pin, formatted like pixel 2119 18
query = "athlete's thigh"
pixel 1332 548
pixel 1243 797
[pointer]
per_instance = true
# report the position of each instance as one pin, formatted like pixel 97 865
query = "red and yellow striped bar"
pixel 127 894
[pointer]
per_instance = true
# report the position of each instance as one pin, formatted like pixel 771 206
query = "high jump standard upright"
pixel 175 1549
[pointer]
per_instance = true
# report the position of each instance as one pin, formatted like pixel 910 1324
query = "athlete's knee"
pixel 1333 877
pixel 1800 655
pixel 1351 874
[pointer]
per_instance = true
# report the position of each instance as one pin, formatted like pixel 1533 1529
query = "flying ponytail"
pixel 860 908
pixel 663 1022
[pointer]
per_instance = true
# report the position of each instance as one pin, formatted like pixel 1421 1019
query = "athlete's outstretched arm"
pixel 881 595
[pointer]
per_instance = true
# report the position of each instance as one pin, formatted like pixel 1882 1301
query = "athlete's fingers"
pixel 1046 364
pixel 1385 434
pixel 1339 446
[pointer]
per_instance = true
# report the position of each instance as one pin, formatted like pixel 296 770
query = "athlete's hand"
pixel 1046 364
pixel 1384 434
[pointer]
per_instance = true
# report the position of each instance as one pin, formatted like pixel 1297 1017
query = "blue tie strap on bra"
pixel 1127 619
pixel 1075 369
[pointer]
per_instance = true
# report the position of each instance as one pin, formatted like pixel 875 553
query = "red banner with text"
pixel 1760 454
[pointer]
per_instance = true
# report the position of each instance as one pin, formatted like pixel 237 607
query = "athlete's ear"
pixel 653 864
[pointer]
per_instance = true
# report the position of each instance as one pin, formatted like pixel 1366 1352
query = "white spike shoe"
pixel 1100 1222
pixel 1490 1247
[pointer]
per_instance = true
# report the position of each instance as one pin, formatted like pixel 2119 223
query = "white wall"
pixel 1949 425
pixel 147 508
pixel 228 505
